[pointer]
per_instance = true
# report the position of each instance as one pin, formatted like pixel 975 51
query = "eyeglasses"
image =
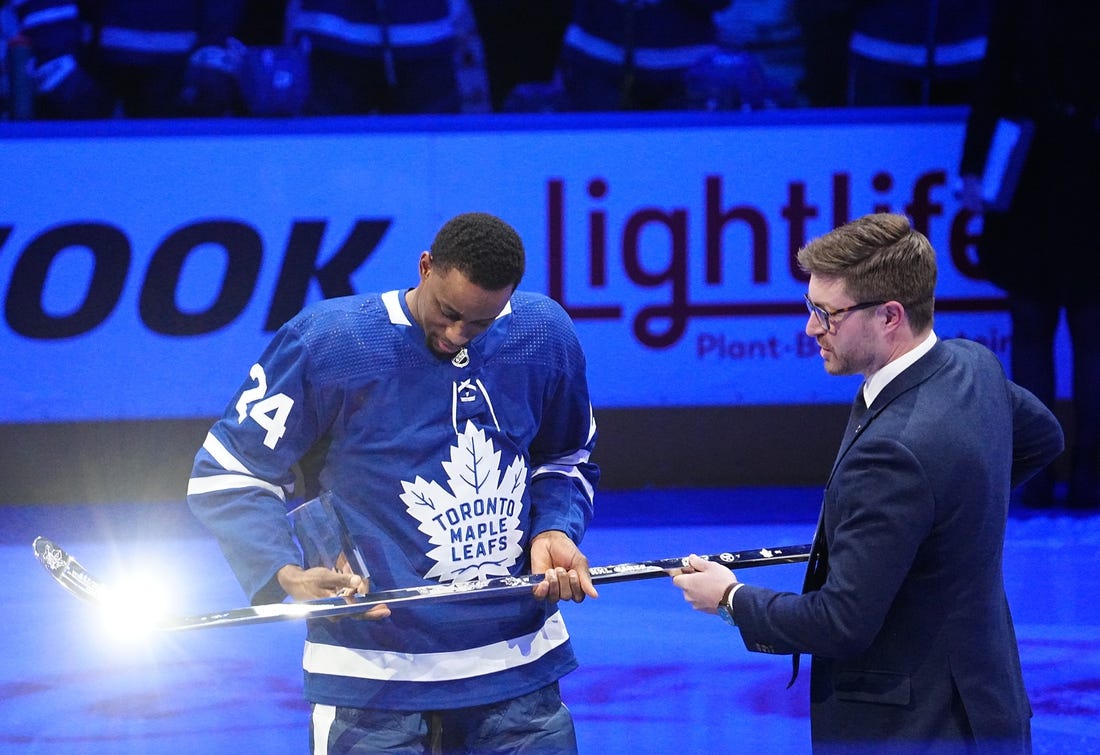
pixel 824 316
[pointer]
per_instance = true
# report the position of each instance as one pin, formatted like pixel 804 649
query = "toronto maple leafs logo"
pixel 474 527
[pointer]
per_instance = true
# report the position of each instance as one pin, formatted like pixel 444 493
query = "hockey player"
pixel 455 431
pixel 378 57
pixel 635 54
pixel 133 58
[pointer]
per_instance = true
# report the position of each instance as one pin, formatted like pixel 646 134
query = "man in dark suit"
pixel 1041 245
pixel 904 607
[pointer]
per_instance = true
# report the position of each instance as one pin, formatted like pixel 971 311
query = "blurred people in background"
pixel 634 54
pixel 273 75
pixel 892 52
pixel 381 56
pixel 126 58
pixel 1043 68
pixel 134 58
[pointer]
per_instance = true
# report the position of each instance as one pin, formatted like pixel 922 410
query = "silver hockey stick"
pixel 75 578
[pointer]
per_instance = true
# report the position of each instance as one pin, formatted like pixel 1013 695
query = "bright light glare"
pixel 134 609
pixel 282 609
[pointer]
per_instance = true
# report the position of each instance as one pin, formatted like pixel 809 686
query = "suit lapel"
pixel 910 378
pixel 857 420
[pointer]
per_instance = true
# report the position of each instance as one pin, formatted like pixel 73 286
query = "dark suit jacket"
pixel 1043 65
pixel 910 630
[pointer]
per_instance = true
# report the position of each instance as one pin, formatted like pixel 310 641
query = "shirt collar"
pixel 874 384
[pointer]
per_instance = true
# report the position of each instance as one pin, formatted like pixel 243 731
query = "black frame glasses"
pixel 825 317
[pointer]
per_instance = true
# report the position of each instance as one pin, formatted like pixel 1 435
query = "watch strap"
pixel 725 601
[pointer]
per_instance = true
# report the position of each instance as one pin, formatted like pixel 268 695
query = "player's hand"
pixel 319 583
pixel 703 583
pixel 563 566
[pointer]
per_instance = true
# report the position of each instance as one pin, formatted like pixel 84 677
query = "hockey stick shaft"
pixel 335 607
pixel 74 578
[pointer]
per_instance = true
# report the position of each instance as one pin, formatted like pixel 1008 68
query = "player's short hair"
pixel 484 248
pixel 880 257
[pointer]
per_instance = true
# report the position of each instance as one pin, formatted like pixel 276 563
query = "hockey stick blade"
pixel 68 572
pixel 74 578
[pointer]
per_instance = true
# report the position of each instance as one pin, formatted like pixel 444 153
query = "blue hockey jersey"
pixel 443 471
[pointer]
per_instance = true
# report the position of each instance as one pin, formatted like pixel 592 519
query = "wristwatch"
pixel 725 605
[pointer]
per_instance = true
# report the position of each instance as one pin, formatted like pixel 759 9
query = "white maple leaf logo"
pixel 475 526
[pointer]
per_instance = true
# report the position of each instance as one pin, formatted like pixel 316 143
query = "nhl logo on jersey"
pixel 461 359
pixel 474 527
